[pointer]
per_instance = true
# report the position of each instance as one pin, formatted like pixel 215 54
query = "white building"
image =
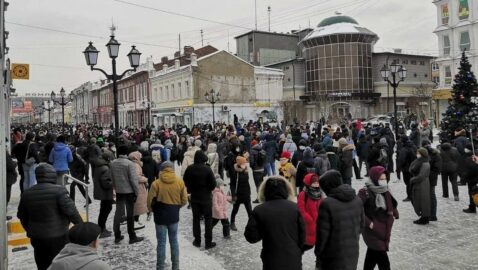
pixel 457 31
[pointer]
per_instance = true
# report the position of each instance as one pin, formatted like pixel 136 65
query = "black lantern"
pixel 133 56
pixel 91 55
pixel 113 47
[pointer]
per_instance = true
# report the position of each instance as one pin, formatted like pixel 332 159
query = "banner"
pixel 463 10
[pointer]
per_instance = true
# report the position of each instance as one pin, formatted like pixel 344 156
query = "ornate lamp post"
pixel 213 97
pixel 62 103
pixel 49 108
pixel 398 74
pixel 91 56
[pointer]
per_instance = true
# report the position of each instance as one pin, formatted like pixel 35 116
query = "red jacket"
pixel 309 209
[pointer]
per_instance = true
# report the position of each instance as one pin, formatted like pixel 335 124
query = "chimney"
pixel 165 68
pixel 177 64
pixel 164 59
pixel 194 60
pixel 188 50
pixel 397 50
pixel 177 54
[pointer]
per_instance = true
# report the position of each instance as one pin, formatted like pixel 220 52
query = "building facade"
pixel 414 93
pixel 262 48
pixel 338 69
pixel 456 31
pixel 81 104
pixel 246 91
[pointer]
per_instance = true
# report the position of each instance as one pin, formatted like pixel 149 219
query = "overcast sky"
pixel 56 58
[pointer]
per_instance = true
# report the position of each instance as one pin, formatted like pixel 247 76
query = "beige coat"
pixel 140 206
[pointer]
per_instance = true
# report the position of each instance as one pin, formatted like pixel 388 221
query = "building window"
pixel 422 63
pixel 465 41
pixel 175 94
pixel 447 75
pixel 188 90
pixel 167 93
pixel 180 90
pixel 446 45
pixel 171 92
pixel 405 61
pixel 413 62
pixel 463 10
pixel 444 14
pixel 435 67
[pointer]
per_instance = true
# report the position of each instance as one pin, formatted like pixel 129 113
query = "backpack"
pixel 383 158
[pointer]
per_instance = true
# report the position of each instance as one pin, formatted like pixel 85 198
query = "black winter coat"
pixel 78 167
pixel 303 169
pixel 240 187
pixel 406 155
pixel 450 158
pixel 11 170
pixel 199 179
pixel 150 169
pixel 339 225
pixel 435 166
pixel 46 210
pixel 102 180
pixel 279 224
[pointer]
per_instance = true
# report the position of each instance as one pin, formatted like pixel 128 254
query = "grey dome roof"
pixel 337 19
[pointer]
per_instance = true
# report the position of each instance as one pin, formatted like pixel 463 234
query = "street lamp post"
pixel 91 56
pixel 62 103
pixel 395 71
pixel 213 97
pixel 147 104
pixel 49 109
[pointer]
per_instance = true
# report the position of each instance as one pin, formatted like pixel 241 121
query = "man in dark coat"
pixel 415 135
pixel 435 169
pixel 470 173
pixel 450 158
pixel 45 211
pixel 103 190
pixel 339 225
pixel 406 155
pixel 279 224
pixel 200 182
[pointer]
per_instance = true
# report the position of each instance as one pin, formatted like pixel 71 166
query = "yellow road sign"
pixel 20 71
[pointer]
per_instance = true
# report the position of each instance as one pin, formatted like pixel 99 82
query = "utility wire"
pixel 180 14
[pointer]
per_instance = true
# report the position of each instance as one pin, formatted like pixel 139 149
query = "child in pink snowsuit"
pixel 220 203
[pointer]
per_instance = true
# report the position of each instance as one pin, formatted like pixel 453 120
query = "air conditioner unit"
pixel 225 108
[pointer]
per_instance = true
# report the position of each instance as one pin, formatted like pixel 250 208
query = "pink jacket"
pixel 219 204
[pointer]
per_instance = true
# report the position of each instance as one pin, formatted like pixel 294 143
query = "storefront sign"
pixel 442 94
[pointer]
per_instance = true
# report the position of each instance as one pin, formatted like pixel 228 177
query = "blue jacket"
pixel 327 141
pixel 60 156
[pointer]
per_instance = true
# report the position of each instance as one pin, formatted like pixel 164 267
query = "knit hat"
pixel 310 178
pixel 84 233
pixel 375 173
pixel 100 140
pixel 423 152
pixel 166 164
pixel 343 142
pixel 285 154
pixel 241 160
pixel 330 180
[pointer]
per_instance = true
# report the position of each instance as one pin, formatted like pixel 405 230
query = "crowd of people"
pixel 302 175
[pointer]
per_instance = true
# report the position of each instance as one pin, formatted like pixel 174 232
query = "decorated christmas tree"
pixel 462 110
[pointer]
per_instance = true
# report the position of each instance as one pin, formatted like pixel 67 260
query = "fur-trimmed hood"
pixel 276 193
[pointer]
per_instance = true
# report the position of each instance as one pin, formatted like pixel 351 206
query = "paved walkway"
pixel 450 243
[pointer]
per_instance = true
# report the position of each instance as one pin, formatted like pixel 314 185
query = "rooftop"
pixel 184 59
pixel 337 19
pixel 269 33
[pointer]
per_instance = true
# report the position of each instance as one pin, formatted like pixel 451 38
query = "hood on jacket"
pixel 74 256
pixel 308 155
pixel 45 173
pixel 330 180
pixel 344 193
pixel 168 144
pixel 167 175
pixel 348 147
pixel 275 188
pixel 212 148
pixel 200 157
pixel 59 146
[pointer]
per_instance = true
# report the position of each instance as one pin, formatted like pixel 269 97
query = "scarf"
pixel 379 192
pixel 313 193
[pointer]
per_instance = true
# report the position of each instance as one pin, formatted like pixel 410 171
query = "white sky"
pixel 56 58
